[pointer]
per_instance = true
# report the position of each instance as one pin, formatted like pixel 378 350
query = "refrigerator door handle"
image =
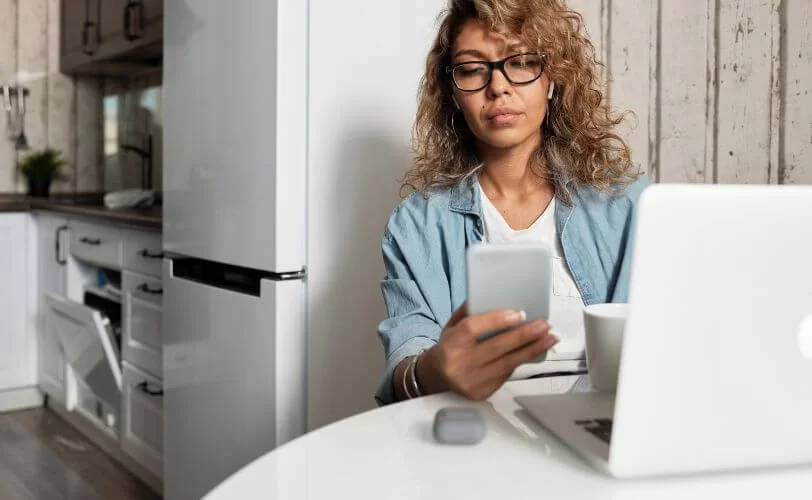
pixel 293 275
pixel 228 277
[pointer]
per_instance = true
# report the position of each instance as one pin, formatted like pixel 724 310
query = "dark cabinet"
pixel 80 31
pixel 112 21
pixel 111 37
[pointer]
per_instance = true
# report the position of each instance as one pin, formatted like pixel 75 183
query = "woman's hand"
pixel 460 363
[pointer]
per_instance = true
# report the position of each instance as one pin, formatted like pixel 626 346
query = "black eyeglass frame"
pixel 500 65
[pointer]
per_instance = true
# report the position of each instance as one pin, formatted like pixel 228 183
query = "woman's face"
pixel 502 114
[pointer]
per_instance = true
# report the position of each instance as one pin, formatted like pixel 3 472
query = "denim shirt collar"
pixel 465 198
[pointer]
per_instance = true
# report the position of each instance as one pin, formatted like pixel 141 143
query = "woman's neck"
pixel 507 172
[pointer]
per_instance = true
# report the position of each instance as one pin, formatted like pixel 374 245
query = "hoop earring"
pixel 453 128
pixel 456 104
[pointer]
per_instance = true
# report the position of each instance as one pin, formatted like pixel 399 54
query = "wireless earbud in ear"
pixel 550 93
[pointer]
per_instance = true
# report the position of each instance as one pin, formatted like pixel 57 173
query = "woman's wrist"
pixel 398 386
pixel 428 377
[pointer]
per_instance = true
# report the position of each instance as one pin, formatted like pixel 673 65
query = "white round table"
pixel 389 453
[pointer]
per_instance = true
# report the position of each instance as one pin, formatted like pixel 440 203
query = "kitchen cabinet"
pixel 100 245
pixel 18 353
pixel 103 317
pixel 88 342
pixel 111 37
pixel 126 24
pixel 80 32
pixel 141 324
pixel 52 255
pixel 143 419
pixel 69 281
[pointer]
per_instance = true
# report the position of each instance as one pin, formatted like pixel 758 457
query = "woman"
pixel 513 142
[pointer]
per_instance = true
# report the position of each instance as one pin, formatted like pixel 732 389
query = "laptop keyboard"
pixel 598 427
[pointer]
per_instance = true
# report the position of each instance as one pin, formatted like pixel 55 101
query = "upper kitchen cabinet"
pixel 111 37
pixel 80 33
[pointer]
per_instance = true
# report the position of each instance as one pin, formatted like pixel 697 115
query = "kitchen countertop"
pixel 85 205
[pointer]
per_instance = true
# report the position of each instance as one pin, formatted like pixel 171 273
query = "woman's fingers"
pixel 504 343
pixel 472 327
pixel 502 367
pixel 458 315
pixel 493 375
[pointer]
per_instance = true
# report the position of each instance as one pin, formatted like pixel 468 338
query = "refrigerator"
pixel 235 135
pixel 278 115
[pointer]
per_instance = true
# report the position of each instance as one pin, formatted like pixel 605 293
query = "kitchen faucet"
pixel 146 161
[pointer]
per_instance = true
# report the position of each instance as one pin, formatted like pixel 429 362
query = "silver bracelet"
pixel 413 367
pixel 405 385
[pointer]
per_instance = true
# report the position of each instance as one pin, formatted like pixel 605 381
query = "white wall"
pixel 366 58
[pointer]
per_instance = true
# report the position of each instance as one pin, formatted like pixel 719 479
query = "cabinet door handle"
pixel 90 241
pixel 86 48
pixel 134 20
pixel 59 260
pixel 143 287
pixel 145 388
pixel 145 253
pixel 128 21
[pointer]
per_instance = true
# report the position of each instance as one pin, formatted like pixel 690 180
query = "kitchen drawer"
pixel 142 253
pixel 142 423
pixel 97 244
pixel 89 347
pixel 141 321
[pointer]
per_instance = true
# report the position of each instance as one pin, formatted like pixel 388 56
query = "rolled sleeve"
pixel 412 347
pixel 411 325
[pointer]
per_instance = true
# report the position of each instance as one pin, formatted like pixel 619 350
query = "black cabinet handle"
pixel 143 287
pixel 134 20
pixel 90 42
pixel 86 38
pixel 145 388
pixel 128 21
pixel 59 259
pixel 145 253
pixel 90 241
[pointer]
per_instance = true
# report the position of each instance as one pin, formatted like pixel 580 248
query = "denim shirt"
pixel 424 248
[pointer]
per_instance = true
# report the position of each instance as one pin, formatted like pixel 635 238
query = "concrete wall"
pixel 722 89
pixel 59 106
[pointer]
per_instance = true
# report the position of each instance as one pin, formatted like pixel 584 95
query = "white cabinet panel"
pixel 89 347
pixel 17 356
pixel 143 419
pixel 142 253
pixel 141 343
pixel 52 239
pixel 96 244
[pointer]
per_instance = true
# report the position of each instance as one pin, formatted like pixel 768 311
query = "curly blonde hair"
pixel 579 145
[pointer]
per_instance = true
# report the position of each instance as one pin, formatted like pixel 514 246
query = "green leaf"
pixel 42 165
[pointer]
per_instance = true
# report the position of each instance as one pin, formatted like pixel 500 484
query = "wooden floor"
pixel 43 457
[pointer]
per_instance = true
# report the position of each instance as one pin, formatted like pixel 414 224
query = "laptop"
pixel 716 365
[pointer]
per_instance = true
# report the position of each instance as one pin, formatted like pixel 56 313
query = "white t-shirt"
pixel 566 304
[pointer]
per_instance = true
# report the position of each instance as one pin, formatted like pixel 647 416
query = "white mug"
pixel 604 324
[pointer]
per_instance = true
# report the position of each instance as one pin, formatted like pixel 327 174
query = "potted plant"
pixel 40 168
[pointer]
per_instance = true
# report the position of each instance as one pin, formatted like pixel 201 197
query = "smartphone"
pixel 509 276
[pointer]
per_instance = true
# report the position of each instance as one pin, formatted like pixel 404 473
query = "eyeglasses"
pixel 519 69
